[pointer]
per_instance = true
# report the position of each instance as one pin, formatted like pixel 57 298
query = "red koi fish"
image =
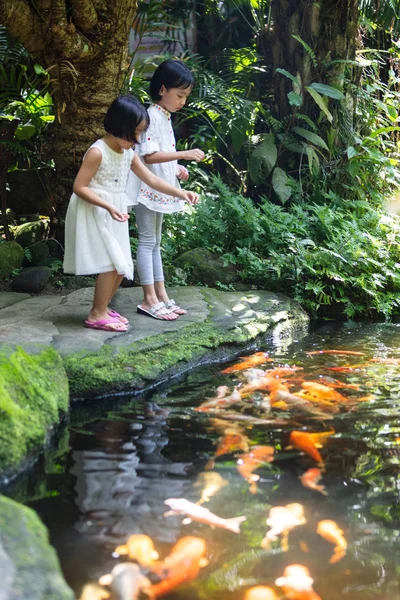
pixel 309 442
pixel 258 358
pixel 344 352
pixel 260 592
pixel 330 531
pixel 251 461
pixel 182 565
pixel 310 480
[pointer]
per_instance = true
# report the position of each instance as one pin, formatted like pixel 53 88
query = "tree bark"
pixel 329 28
pixel 84 46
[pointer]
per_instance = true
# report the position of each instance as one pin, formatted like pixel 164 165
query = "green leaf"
pixel 311 137
pixel 295 99
pixel 353 168
pixel 351 152
pixel 327 90
pixel 321 102
pixel 313 160
pixel 288 75
pixel 24 132
pixel 263 160
pixel 280 183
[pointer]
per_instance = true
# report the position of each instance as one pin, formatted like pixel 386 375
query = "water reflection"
pixel 128 459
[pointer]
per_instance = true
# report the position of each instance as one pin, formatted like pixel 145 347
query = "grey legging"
pixel 148 257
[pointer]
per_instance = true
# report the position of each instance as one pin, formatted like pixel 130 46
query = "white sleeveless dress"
pixel 94 241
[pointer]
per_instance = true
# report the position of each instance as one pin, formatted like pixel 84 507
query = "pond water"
pixel 121 458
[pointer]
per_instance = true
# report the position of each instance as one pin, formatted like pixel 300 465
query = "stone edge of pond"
pixel 160 357
pixel 29 566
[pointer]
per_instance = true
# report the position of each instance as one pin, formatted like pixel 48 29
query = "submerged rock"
pixel 29 567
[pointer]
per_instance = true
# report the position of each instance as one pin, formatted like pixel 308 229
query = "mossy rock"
pixel 11 257
pixel 206 268
pixel 29 566
pixel 33 398
pixel 30 233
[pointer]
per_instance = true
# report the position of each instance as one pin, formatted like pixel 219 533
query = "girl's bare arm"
pixel 162 157
pixel 156 183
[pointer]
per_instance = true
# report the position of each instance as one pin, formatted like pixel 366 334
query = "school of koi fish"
pixel 284 395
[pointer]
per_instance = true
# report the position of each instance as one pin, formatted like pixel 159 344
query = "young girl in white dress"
pixel 170 87
pixel 96 228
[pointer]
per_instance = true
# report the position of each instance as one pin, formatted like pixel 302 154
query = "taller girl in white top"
pixel 170 88
pixel 96 229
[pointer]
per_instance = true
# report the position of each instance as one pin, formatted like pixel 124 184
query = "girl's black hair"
pixel 123 116
pixel 171 74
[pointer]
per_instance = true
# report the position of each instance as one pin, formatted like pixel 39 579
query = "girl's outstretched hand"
pixel 191 197
pixel 116 215
pixel 182 173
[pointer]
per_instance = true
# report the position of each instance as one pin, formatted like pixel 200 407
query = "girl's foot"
pixel 157 311
pixel 115 315
pixel 172 305
pixel 109 324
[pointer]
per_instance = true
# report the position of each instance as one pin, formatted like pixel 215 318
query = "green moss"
pixel 33 397
pixel 24 539
pixel 11 257
pixel 148 359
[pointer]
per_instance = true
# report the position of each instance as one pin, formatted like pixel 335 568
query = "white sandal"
pixel 173 307
pixel 157 311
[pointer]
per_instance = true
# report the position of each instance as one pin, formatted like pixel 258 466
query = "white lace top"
pixel 159 137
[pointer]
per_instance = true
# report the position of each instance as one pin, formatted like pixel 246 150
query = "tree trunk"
pixel 84 46
pixel 329 28
pixel 7 130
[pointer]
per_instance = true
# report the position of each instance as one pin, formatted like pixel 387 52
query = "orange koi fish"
pixel 386 361
pixel 249 361
pixel 127 582
pixel 284 399
pixel 309 442
pixel 310 480
pixel 347 368
pixel 140 549
pixel 281 520
pixel 211 483
pixel 335 383
pixel 344 352
pixel 319 390
pixel 183 564
pixel 231 442
pixel 296 583
pixel 198 513
pixel 247 463
pixel 330 531
pixel 260 592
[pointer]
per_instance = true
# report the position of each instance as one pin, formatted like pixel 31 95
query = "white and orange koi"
pixel 281 520
pixel 194 512
pixel 247 463
pixel 297 583
pixel 211 484
pixel 260 592
pixel 127 582
pixel 330 531
pixel 139 548
pixel 258 358
pixel 93 591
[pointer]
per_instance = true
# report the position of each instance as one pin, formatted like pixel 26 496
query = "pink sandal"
pixel 115 315
pixel 107 325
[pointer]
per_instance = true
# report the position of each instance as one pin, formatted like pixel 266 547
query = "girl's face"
pixel 173 99
pixel 126 144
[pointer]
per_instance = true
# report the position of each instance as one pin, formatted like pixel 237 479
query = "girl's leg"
pixel 158 273
pixel 111 312
pixel 105 283
pixel 149 229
